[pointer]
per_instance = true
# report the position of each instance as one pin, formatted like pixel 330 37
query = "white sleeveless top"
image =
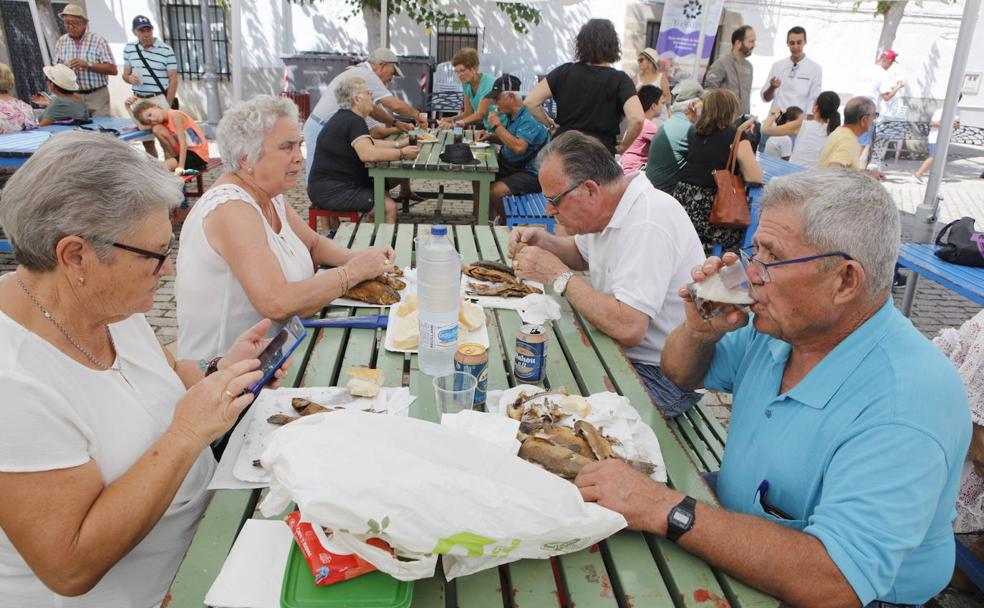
pixel 213 309
pixel 809 142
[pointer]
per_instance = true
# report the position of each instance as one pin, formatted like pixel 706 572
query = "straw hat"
pixel 62 76
pixel 74 10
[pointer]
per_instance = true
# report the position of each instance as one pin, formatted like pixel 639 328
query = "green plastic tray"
pixel 374 590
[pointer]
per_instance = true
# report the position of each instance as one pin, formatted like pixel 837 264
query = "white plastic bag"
pixel 426 490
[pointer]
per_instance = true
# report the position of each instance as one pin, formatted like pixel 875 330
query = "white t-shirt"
pixel 213 309
pixel 801 83
pixel 58 414
pixel 779 146
pixel 642 257
pixel 874 82
pixel 328 105
pixel 809 142
pixel 934 132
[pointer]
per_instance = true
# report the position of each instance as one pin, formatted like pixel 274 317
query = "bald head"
pixel 857 108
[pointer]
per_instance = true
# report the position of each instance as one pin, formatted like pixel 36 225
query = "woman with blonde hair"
pixel 15 115
pixel 709 147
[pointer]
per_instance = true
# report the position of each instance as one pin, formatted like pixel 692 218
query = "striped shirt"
pixel 161 60
pixel 92 48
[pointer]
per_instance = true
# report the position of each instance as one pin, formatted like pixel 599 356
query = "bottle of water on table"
pixel 438 297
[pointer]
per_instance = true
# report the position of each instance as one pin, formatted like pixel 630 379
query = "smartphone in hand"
pixel 277 351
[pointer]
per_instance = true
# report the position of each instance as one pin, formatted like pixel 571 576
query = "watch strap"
pixel 685 509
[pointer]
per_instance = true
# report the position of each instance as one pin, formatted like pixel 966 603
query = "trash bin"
pixel 311 72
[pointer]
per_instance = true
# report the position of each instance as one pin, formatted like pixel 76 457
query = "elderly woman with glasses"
pixel 245 253
pixel 104 435
pixel 339 179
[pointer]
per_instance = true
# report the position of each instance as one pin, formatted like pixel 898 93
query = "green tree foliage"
pixel 430 13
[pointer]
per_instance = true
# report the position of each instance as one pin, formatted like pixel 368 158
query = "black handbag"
pixel 175 105
pixel 958 243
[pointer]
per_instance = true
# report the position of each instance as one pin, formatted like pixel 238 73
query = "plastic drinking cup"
pixel 455 392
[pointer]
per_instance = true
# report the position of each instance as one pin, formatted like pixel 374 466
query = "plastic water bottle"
pixel 438 297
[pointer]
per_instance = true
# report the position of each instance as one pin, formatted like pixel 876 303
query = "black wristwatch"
pixel 681 518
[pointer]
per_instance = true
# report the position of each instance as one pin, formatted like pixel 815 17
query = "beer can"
pixel 531 354
pixel 473 359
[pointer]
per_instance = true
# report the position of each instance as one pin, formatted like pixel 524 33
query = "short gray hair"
pixel 86 184
pixel 346 90
pixel 243 128
pixel 681 106
pixel 844 210
pixel 583 158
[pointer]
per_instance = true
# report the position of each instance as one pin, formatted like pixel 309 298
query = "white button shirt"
pixel 642 257
pixel 801 83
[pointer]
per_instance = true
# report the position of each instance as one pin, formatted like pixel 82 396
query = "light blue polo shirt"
pixel 865 453
pixel 529 129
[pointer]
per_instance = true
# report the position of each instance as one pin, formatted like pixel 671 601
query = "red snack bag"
pixel 327 567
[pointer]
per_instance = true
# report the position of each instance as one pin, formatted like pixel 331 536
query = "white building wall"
pixel 843 41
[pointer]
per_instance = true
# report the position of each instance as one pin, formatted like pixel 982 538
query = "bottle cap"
pixel 439 230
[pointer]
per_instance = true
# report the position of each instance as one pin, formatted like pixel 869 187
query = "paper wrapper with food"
pixel 426 490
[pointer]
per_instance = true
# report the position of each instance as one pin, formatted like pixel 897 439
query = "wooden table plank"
pixel 586 579
pixel 634 564
pixel 429 592
pixel 480 590
pixel 533 584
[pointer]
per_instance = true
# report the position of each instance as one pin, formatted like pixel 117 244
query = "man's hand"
pixel 538 265
pixel 521 237
pixel 718 326
pixel 482 135
pixel 644 503
pixel 775 82
pixel 41 100
pixel 403 126
pixel 133 77
pixel 494 120
pixel 78 64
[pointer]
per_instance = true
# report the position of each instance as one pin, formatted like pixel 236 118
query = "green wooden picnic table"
pixel 627 569
pixel 428 165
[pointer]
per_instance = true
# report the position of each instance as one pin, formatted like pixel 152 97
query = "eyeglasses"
pixel 747 257
pixel 555 200
pixel 160 257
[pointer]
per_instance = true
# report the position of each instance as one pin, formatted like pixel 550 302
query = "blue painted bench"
pixel 527 209
pixel 5 246
pixel 964 280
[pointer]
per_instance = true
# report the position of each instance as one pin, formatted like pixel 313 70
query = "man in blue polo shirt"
pixel 521 138
pixel 849 429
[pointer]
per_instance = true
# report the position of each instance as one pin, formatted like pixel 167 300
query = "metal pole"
pixel 699 51
pixel 383 23
pixel 211 78
pixel 925 217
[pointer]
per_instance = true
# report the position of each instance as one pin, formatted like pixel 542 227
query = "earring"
pixel 249 170
pixel 81 281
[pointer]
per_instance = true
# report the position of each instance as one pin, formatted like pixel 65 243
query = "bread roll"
pixel 407 305
pixel 406 332
pixel 471 315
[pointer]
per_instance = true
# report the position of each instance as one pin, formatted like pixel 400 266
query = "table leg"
pixel 483 202
pixel 378 194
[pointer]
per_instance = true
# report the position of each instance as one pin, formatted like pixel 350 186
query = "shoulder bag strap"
pixel 733 156
pixel 149 69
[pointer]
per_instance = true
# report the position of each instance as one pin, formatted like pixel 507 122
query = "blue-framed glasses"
pixel 555 200
pixel 747 257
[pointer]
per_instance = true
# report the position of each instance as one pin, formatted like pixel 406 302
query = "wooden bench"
pixel 964 280
pixel 527 209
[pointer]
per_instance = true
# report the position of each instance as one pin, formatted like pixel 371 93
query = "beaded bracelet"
pixel 344 279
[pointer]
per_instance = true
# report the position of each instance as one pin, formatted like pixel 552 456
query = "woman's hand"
pixel 249 345
pixel 444 124
pixel 211 407
pixel 369 264
pixel 748 124
pixel 409 151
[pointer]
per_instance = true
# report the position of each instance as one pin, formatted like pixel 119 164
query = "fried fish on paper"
pixel 374 291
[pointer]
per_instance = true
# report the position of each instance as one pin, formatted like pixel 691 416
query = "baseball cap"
pixel 686 90
pixel 140 22
pixel 506 82
pixel 384 55
pixel 74 10
pixel 890 55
